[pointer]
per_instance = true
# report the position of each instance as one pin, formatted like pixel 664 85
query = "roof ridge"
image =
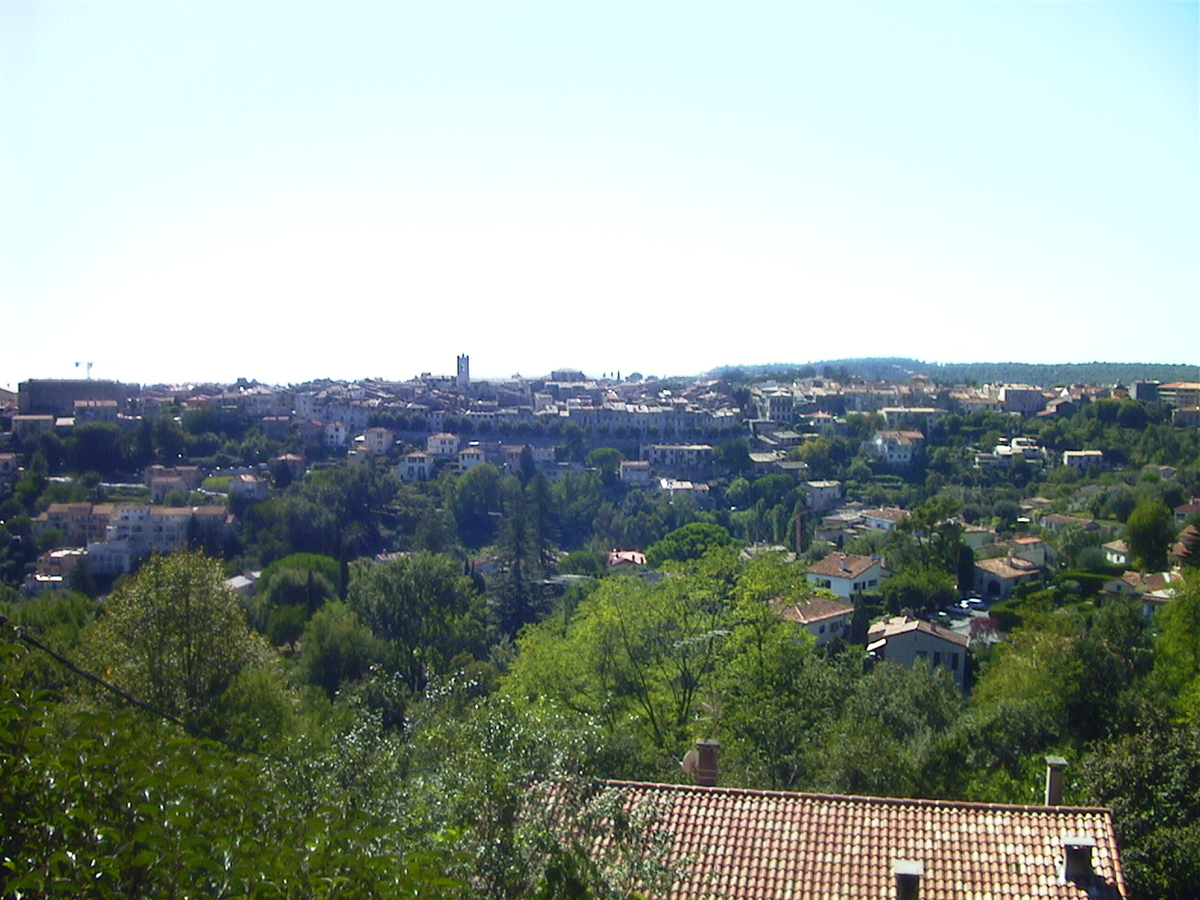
pixel 860 798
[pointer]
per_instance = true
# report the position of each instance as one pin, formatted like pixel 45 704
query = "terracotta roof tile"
pixel 741 844
pixel 842 565
pixel 814 610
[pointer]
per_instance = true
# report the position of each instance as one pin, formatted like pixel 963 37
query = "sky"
pixel 287 191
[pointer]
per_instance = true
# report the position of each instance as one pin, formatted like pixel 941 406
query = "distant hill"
pixel 898 369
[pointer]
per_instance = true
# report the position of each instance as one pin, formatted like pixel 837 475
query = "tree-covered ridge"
pixel 1041 374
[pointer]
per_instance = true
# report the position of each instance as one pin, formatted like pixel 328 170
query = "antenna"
pixel 691 762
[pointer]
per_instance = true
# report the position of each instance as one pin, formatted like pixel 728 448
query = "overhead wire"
pixel 191 729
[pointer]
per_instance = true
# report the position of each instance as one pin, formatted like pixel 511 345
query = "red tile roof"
pixel 734 844
pixel 903 624
pixel 815 610
pixel 842 565
pixel 1009 567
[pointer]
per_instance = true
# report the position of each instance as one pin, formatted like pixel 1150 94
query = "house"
pixel 471 456
pixel 823 617
pixel 907 641
pixel 1116 553
pixel 29 426
pixel 1033 550
pixel 823 494
pixel 740 844
pixel 295 463
pixel 885 519
pixel 975 536
pixel 96 411
pixel 378 441
pixel 1083 459
pixel 846 574
pixel 1151 589
pixel 698 491
pixel 1185 511
pixel 337 434
pixel 693 459
pixel 635 471
pixel 897 449
pixel 415 466
pixel 1186 545
pixel 1021 399
pixel 442 444
pixel 626 559
pixel 996 578
pixel 1056 523
pixel 249 487
pixel 79 523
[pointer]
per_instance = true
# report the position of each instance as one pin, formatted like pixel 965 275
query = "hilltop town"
pixel 193 457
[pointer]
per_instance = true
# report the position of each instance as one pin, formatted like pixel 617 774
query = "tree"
pixel 424 607
pixel 636 657
pixel 476 503
pixel 176 637
pixel 336 647
pixel 606 461
pixel 1177 648
pixel 687 543
pixel 1151 781
pixel 1149 534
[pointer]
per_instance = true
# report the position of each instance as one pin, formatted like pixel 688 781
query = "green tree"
pixel 634 656
pixel 1148 533
pixel 477 503
pixel 337 647
pixel 688 543
pixel 1151 781
pixel 1177 649
pixel 424 607
pixel 176 637
pixel 606 461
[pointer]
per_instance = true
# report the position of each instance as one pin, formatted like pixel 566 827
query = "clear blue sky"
pixel 287 191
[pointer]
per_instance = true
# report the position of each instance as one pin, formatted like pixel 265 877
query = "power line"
pixel 134 701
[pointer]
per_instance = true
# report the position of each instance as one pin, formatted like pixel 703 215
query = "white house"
pixel 897 449
pixel 885 519
pixel 846 574
pixel 823 617
pixel 907 641
pixel 415 466
pixel 471 456
pixel 442 444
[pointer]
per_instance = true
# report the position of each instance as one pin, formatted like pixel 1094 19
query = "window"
pixel 953 662
pixel 937 657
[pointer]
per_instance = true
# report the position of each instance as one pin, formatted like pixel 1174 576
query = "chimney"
pixel 1077 859
pixel 706 773
pixel 1054 780
pixel 908 874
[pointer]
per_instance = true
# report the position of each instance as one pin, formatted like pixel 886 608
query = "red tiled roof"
pixel 842 565
pixel 746 845
pixel 902 624
pixel 815 610
pixel 1010 567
